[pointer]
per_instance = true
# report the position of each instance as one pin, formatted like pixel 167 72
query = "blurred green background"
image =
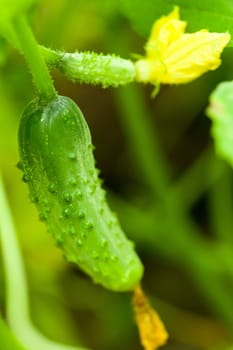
pixel 180 216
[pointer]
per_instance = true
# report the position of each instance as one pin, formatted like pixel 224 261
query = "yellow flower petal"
pixel 175 57
pixel 192 55
pixel 165 31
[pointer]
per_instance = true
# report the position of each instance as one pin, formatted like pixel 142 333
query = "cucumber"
pixel 56 156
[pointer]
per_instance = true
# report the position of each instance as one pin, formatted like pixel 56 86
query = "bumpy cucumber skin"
pixel 58 164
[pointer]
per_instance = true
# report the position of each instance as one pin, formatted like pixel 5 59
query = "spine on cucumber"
pixel 58 165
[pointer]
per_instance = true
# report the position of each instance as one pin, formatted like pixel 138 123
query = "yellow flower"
pixel 175 57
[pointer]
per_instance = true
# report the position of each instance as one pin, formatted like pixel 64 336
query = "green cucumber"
pixel 56 156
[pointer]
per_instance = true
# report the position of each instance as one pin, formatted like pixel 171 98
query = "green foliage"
pixel 214 15
pixel 3 51
pixel 9 9
pixel 171 193
pixel 221 113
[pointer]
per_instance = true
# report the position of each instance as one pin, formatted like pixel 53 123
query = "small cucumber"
pixel 57 160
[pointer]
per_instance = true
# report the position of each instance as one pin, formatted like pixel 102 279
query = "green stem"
pixel 83 67
pixel 16 286
pixel 51 57
pixel 34 58
pixel 8 340
pixel 142 141
pixel 9 34
pixel 196 179
pixel 140 136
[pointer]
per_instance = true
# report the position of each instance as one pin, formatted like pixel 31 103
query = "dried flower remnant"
pixel 151 329
pixel 175 57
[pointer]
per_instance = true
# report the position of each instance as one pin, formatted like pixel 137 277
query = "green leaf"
pixel 9 9
pixel 220 111
pixel 214 15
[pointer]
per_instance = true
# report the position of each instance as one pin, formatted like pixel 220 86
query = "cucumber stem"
pixel 34 59
pixel 83 67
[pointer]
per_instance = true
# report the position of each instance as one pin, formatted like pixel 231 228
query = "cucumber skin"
pixel 58 165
